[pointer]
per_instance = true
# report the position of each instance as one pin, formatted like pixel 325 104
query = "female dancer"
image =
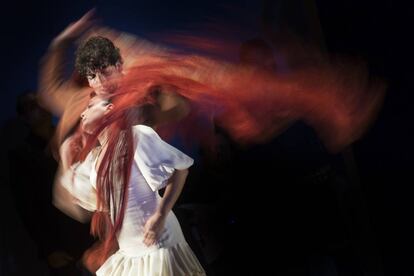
pixel 117 177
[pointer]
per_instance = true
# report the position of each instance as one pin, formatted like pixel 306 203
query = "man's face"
pixel 97 109
pixel 105 81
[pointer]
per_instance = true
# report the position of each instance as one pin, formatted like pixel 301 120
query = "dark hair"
pixel 96 53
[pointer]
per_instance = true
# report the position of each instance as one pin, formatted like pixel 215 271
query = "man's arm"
pixel 54 90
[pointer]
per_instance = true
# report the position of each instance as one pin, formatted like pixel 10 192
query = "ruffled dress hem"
pixel 178 260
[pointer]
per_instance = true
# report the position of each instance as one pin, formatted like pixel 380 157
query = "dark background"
pixel 377 31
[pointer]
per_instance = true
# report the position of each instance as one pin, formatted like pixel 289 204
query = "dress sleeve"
pixel 76 181
pixel 156 159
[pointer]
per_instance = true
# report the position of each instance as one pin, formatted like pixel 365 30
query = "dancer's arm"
pixel 62 198
pixel 65 202
pixel 155 223
pixel 172 192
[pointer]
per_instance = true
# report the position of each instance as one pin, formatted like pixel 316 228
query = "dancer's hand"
pixel 153 228
pixel 75 29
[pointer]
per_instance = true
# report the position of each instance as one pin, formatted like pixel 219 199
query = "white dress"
pixel 155 161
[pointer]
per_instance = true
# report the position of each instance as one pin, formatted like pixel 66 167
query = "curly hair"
pixel 96 53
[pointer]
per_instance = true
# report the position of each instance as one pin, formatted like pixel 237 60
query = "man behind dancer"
pixel 100 62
